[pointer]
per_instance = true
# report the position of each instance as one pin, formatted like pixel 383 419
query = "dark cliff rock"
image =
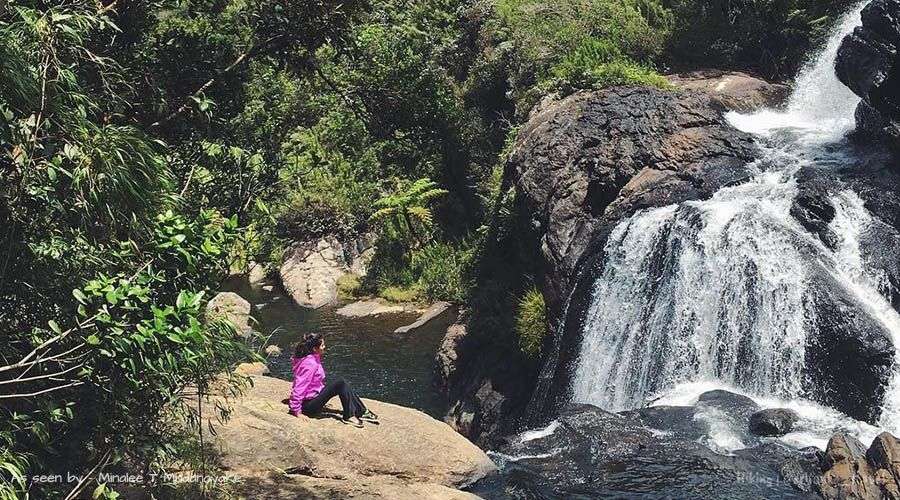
pixel 579 166
pixel 594 158
pixel 869 64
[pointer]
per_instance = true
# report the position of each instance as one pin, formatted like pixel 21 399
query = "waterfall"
pixel 716 290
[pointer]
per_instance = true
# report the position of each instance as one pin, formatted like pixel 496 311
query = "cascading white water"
pixel 716 290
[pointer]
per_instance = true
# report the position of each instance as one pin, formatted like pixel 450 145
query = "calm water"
pixel 378 363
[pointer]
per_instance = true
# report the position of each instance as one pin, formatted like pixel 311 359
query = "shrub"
pixel 772 38
pixel 400 294
pixel 575 44
pixel 348 286
pixel 443 270
pixel 621 72
pixel 531 322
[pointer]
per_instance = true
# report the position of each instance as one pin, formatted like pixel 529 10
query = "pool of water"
pixel 379 364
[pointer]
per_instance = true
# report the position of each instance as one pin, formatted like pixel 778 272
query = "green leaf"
pixel 54 326
pixel 79 296
pixel 92 340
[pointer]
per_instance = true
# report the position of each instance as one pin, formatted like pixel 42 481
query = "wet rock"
pixel 231 307
pixel 773 422
pixel 729 403
pixel 591 453
pixel 410 453
pixel 868 62
pixel 802 469
pixel 594 158
pixel 814 211
pixel 850 355
pixel 735 90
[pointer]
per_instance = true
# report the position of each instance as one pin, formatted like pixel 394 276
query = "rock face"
pixel 448 352
pixel 594 158
pixel 310 271
pixel 773 422
pixel 409 455
pixel 735 90
pixel 232 307
pixel 854 472
pixel 869 64
pixel 578 167
pixel 591 453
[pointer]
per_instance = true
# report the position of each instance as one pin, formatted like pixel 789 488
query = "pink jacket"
pixel 309 380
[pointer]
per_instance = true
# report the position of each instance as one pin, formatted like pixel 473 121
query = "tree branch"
pixel 186 104
pixel 38 393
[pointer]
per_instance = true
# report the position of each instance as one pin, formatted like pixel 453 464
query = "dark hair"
pixel 308 345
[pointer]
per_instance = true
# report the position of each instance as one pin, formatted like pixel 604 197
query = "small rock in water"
pixel 773 422
pixel 272 351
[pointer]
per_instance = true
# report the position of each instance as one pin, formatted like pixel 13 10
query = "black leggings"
pixel 353 406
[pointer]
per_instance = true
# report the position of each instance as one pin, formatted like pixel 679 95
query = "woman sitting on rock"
pixel 310 393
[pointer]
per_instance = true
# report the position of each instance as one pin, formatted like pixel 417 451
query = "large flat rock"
pixel 409 455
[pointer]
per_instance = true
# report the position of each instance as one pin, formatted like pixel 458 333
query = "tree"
pixel 405 213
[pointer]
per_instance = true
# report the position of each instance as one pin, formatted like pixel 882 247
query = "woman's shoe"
pixel 354 421
pixel 368 416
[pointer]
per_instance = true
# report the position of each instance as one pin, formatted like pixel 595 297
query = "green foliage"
pixel 574 44
pixel 405 213
pixel 348 286
pixel 531 322
pixel 444 270
pixel 771 37
pixel 400 294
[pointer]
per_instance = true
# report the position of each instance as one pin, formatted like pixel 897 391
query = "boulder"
pixel 231 307
pixel 850 354
pixel 773 422
pixel 409 455
pixel 853 472
pixel 272 351
pixel 311 269
pixel 248 369
pixel 735 90
pixel 737 406
pixel 448 352
pixel 434 311
pixel 310 272
pixel 868 62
